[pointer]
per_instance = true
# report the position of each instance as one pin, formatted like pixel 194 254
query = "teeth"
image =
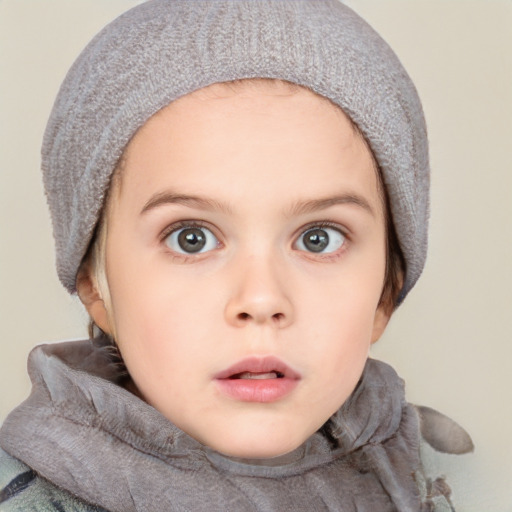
pixel 249 375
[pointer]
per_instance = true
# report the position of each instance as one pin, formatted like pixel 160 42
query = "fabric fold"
pixel 82 431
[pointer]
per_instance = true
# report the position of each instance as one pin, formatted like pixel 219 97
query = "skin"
pixel 267 163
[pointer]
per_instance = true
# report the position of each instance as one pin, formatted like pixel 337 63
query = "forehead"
pixel 251 87
pixel 230 121
pixel 251 94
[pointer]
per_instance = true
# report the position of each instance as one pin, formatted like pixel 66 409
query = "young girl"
pixel 239 192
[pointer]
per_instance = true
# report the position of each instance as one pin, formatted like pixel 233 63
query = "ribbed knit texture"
pixel 164 49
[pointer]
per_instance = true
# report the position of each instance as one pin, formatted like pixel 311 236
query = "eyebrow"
pixel 170 197
pixel 298 208
pixel 314 205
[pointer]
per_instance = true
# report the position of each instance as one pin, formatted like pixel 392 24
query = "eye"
pixel 320 239
pixel 191 240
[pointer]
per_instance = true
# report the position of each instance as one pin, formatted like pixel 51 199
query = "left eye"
pixel 320 239
pixel 191 240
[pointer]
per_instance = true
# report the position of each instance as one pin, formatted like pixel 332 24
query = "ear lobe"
pixel 88 292
pixel 380 321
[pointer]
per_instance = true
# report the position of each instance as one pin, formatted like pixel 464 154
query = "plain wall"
pixel 450 340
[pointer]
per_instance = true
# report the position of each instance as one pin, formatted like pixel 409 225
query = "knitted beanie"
pixel 164 49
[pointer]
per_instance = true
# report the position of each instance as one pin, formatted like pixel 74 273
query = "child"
pixel 239 192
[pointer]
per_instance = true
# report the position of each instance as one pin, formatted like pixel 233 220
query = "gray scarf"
pixel 85 433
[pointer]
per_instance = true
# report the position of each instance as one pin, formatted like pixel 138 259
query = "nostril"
pixel 277 318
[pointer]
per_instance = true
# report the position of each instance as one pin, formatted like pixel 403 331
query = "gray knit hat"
pixel 163 49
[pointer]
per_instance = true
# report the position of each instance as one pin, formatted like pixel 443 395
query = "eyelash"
pixel 183 257
pixel 325 224
pixel 331 256
pixel 303 229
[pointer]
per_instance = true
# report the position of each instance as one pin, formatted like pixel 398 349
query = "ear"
pixel 88 292
pixel 380 321
pixel 386 307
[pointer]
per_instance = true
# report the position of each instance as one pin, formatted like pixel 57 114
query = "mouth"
pixel 260 380
pixel 257 376
pixel 258 368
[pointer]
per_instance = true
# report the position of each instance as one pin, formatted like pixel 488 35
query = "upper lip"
pixel 259 365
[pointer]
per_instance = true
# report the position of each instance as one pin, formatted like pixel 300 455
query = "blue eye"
pixel 320 240
pixel 191 240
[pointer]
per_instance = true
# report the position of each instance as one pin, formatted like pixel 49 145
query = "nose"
pixel 259 295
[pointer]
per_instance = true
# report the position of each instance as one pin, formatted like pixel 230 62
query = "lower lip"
pixel 257 390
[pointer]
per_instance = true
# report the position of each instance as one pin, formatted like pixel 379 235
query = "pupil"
pixel 192 240
pixel 316 240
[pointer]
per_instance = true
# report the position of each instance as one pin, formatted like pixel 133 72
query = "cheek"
pixel 343 303
pixel 339 324
pixel 341 337
pixel 338 356
pixel 156 318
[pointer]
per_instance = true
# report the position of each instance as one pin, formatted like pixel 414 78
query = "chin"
pixel 253 448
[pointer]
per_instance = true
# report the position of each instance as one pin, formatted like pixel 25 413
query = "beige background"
pixel 450 340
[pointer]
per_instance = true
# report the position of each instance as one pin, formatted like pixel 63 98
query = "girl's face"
pixel 245 259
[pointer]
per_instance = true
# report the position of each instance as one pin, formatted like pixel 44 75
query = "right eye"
pixel 321 239
pixel 191 240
